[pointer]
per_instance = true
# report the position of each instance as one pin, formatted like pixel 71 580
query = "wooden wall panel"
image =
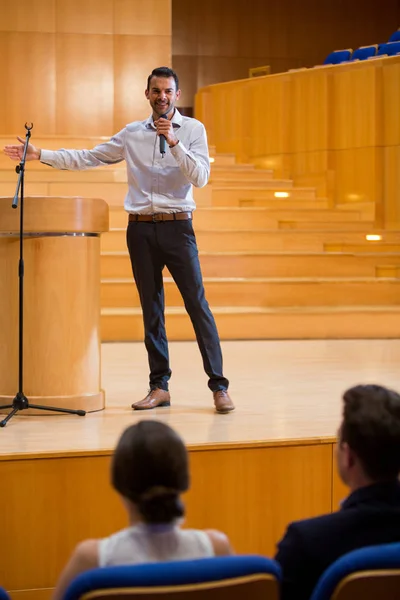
pixel 135 17
pixel 63 53
pixel 268 110
pixel 28 15
pixel 358 174
pixel 391 102
pixel 391 183
pixel 308 111
pixel 85 95
pixel 53 503
pixel 84 16
pixel 355 118
pixel 252 494
pixel 186 68
pixel 217 69
pixel 340 491
pixel 336 129
pixel 27 76
pixel 131 75
pixel 282 33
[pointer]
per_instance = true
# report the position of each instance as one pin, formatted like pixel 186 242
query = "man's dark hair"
pixel 150 468
pixel 371 427
pixel 163 72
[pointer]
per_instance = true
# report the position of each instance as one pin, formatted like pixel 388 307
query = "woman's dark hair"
pixel 150 468
pixel 371 427
pixel 163 72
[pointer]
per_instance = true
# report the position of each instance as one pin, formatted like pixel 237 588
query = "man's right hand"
pixel 16 151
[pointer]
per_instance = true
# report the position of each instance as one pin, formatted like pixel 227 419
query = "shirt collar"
pixel 176 120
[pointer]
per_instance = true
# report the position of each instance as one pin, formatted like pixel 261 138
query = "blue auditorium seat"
pixel 235 577
pixel 3 594
pixel 338 56
pixel 368 573
pixel 389 49
pixel 364 52
pixel 395 37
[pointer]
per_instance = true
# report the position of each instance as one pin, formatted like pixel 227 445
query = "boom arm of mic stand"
pixel 21 167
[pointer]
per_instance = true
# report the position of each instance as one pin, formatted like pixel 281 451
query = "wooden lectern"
pixel 61 301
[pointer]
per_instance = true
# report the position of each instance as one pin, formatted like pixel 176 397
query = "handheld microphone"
pixel 163 141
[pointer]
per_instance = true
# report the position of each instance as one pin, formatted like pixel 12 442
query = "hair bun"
pixel 160 507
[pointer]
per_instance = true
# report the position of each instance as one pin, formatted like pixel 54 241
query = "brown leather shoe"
pixel 223 402
pixel 155 397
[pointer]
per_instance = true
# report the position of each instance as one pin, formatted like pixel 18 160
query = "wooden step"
pixel 222 159
pixel 217 217
pixel 223 291
pixel 112 192
pixel 364 226
pixel 284 204
pixel 49 175
pixel 363 247
pixel 367 209
pixel 253 184
pixel 239 173
pixel 264 323
pixel 269 239
pixel 273 264
pixel 255 196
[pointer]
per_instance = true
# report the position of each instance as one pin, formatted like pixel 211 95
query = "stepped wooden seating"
pixel 273 266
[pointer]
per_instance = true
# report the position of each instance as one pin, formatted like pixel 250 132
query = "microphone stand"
pixel 20 401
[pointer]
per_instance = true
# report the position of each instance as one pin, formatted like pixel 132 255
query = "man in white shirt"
pixel 160 232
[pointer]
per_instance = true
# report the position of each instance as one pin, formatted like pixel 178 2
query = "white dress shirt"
pixel 155 184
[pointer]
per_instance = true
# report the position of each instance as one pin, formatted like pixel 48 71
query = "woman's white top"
pixel 153 543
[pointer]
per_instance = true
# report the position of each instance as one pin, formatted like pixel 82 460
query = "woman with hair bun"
pixel 150 471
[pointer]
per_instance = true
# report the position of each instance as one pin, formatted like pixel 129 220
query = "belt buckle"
pixel 157 217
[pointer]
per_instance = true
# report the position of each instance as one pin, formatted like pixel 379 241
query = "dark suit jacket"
pixel 370 515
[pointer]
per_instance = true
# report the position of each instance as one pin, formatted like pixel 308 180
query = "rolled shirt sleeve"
pixel 194 161
pixel 108 153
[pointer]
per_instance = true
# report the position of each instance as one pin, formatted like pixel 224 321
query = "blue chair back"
pixel 364 52
pixel 219 578
pixel 390 49
pixel 3 594
pixel 395 37
pixel 338 56
pixel 367 573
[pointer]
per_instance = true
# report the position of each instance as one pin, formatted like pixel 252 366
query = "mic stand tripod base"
pixel 21 402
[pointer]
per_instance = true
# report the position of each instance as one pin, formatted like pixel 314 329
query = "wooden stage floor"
pixel 283 390
pixel 253 471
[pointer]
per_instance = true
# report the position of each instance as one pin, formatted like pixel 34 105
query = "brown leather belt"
pixel 178 216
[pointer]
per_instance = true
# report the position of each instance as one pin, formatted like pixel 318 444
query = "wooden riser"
pixel 222 160
pixel 99 175
pixel 269 240
pixel 364 226
pixel 269 292
pixel 273 264
pixel 285 204
pixel 362 248
pixel 256 184
pixel 216 218
pixel 112 192
pixel 233 196
pixel 295 323
pixel 232 174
